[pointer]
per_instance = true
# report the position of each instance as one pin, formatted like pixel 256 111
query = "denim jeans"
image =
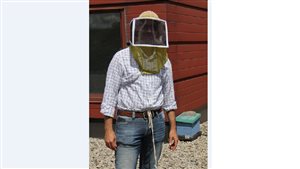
pixel 134 139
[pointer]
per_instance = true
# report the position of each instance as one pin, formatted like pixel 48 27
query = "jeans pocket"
pixel 128 131
pixel 123 120
pixel 159 128
pixel 161 115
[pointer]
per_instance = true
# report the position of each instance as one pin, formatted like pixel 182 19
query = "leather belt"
pixel 138 114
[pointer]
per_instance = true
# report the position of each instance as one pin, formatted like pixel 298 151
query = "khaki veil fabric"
pixel 152 62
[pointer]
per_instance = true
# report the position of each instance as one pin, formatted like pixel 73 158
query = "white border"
pixel 39 1
pixel 2 3
pixel 45 168
pixel 1 84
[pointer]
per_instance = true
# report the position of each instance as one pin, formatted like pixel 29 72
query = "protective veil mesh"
pixel 149 59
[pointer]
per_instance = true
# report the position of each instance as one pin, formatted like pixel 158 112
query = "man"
pixel 139 88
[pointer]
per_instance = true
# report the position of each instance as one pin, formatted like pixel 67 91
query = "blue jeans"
pixel 134 138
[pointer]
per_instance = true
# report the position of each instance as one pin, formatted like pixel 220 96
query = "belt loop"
pixel 145 118
pixel 133 114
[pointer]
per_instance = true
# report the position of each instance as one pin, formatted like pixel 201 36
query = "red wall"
pixel 187 25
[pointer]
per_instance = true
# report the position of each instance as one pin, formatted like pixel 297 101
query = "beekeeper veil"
pixel 149 42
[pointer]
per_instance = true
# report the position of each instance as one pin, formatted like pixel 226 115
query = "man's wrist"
pixel 108 123
pixel 173 129
pixel 172 120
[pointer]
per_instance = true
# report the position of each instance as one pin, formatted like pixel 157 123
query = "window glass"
pixel 105 41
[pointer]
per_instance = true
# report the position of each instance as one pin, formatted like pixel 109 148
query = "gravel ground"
pixel 189 154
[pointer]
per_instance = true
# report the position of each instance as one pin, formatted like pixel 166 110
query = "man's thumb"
pixel 170 140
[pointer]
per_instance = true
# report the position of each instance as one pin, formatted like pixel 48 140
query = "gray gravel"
pixel 189 154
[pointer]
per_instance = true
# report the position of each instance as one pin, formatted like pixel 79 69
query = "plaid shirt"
pixel 127 89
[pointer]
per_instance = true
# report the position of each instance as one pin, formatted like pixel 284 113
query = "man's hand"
pixel 110 139
pixel 110 136
pixel 173 140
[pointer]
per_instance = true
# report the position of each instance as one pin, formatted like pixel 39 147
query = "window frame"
pixel 97 97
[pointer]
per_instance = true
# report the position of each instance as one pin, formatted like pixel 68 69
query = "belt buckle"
pixel 153 113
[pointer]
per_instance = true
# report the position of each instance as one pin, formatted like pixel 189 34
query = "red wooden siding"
pixel 188 52
pixel 181 29
pixel 95 110
pixel 187 25
pixel 97 2
pixel 191 93
pixel 188 60
pixel 195 3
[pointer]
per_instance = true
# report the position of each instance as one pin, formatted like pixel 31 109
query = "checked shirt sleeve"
pixel 168 89
pixel 112 85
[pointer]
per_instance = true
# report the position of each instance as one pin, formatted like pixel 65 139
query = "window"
pixel 105 41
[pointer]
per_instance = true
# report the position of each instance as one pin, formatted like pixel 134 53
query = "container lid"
pixel 188 117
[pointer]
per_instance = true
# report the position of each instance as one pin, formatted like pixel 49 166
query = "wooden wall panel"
pixel 181 18
pixel 191 93
pixel 190 85
pixel 141 8
pixel 187 25
pixel 187 48
pixel 195 16
pixel 188 68
pixel 105 2
pixel 186 11
pixel 95 110
pixel 195 3
pixel 180 74
pixel 191 37
pixel 188 60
